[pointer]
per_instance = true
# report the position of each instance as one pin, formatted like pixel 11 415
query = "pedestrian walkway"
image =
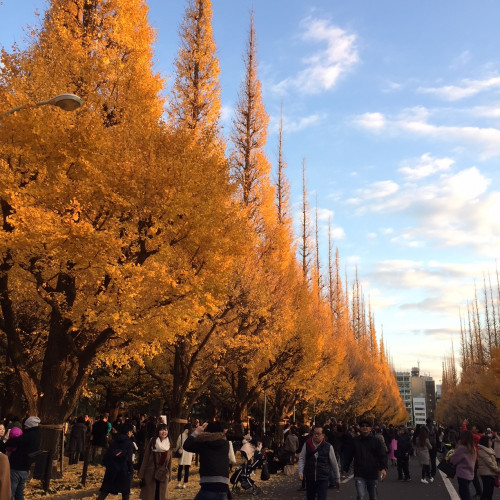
pixel 285 488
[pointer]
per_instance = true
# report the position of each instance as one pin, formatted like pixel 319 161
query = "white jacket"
pixel 186 458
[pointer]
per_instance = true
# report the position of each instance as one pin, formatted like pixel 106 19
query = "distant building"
pixel 404 385
pixel 430 397
pixel 418 393
pixel 419 411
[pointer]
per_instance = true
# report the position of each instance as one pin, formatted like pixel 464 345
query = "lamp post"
pixel 67 102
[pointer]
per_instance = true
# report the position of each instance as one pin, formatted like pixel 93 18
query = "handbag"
pixel 161 472
pixel 180 450
pixel 448 468
pixel 288 470
pixel 264 474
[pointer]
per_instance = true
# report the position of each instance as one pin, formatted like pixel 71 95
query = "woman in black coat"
pixel 119 466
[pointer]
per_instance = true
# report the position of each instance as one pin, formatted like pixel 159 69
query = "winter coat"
pixel 186 458
pixel 100 434
pixel 487 462
pixel 27 443
pixel 77 437
pixel 119 472
pixel 423 452
pixel 291 443
pixel 464 462
pixel 4 477
pixel 369 456
pixel 213 449
pixel 404 447
pixel 317 461
pixel 147 471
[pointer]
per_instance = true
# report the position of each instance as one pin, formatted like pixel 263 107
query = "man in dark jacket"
pixel 99 437
pixel 25 446
pixel 209 441
pixel 370 461
pixel 402 453
pixel 316 460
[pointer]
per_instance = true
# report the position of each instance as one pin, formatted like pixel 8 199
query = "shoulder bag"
pixel 448 468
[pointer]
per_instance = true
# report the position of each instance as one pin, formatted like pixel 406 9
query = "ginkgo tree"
pixel 107 224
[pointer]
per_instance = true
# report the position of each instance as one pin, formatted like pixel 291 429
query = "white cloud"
pixel 371 121
pixel 426 166
pixel 378 190
pixel 324 214
pixel 468 88
pixel 415 122
pixel 296 125
pixel 337 233
pixel 457 210
pixel 323 68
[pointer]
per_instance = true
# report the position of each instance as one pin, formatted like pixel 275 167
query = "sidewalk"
pixel 279 487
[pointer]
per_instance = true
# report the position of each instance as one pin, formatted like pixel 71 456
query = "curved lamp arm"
pixel 67 102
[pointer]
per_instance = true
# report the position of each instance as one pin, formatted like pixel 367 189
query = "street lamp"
pixel 67 102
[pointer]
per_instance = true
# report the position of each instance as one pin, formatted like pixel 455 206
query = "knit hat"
pixel 15 432
pixel 31 422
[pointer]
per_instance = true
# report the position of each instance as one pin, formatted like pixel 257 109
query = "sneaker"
pixel 184 486
pixel 407 478
pixel 179 486
pixel 424 481
pixel 431 479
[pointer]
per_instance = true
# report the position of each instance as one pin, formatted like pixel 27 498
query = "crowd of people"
pixel 324 454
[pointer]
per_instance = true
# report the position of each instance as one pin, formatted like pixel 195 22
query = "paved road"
pixel 390 489
pixel 282 487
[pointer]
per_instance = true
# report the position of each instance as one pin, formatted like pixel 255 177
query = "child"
pixel 15 432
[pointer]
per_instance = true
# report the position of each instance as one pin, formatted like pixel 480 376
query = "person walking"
pixel 156 466
pixel 422 448
pixel 185 457
pixel 464 459
pixel 487 467
pixel 118 462
pixel 403 451
pixel 316 460
pixel 432 431
pixel 370 461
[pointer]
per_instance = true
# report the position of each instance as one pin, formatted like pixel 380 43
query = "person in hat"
pixel 210 442
pixel 24 445
pixel 370 461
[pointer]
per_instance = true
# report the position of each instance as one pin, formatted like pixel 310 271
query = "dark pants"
pixel 476 482
pixel 488 487
pixel 186 473
pixel 463 489
pixel 433 455
pixel 404 468
pixel 316 489
pixel 426 471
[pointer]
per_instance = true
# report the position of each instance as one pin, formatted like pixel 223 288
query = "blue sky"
pixel 395 107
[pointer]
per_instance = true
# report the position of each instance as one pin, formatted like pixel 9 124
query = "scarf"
pixel 161 446
pixel 312 446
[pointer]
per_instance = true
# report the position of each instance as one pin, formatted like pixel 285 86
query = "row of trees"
pixel 144 255
pixel 474 392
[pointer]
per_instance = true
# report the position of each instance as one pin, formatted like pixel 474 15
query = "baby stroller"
pixel 241 478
